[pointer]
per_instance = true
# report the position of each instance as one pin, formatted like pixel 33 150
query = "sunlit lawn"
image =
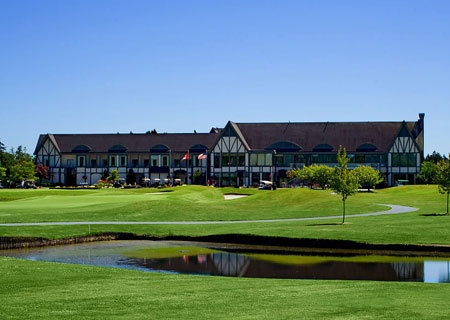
pixel 196 203
pixel 38 290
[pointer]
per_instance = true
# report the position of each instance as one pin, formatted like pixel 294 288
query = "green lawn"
pixel 194 203
pixel 37 290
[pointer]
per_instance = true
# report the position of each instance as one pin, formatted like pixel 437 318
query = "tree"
pixel 5 162
pixel 131 177
pixel 114 176
pixel 23 166
pixel 428 171
pixel 443 177
pixel 367 176
pixel 2 173
pixel 307 174
pixel 435 157
pixel 22 172
pixel 344 181
pixel 41 171
pixel 321 175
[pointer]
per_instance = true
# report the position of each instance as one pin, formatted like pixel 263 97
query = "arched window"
pixel 284 146
pixel 82 148
pixel 117 148
pixel 159 148
pixel 367 147
pixel 323 148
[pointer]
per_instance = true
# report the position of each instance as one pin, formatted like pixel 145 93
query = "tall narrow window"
pixel 81 161
pixel 165 161
pixel 123 161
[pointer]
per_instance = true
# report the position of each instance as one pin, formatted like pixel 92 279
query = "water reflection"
pixel 123 254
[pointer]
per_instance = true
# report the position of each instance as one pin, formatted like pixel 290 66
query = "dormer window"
pixel 82 148
pixel 323 148
pixel 284 146
pixel 367 147
pixel 118 148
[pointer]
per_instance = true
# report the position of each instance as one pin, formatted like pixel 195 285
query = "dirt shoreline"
pixel 248 243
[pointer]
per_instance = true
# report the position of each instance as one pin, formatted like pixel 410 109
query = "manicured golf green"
pixel 194 203
pixel 37 290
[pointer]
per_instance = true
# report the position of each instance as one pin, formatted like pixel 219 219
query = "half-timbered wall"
pixel 230 160
pixel 404 159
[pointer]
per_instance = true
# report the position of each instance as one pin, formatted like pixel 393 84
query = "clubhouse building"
pixel 240 154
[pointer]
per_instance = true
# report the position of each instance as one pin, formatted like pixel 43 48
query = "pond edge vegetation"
pixel 247 243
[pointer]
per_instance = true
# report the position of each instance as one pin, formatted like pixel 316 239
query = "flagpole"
pixel 206 168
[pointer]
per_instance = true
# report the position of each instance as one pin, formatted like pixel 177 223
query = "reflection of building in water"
pixel 230 264
pixel 408 271
pixel 237 265
pixel 217 264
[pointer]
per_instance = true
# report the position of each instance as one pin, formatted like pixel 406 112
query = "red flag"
pixel 186 156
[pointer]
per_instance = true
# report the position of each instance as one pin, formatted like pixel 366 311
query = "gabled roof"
pixel 309 135
pixel 139 143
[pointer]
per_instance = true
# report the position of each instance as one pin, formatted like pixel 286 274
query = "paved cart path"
pixel 395 209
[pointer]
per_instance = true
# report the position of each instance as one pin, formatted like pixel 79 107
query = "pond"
pixel 205 259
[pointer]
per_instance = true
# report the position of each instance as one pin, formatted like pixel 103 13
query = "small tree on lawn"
pixel 443 177
pixel 344 181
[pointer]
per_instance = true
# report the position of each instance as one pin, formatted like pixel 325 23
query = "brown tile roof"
pixel 177 142
pixel 350 135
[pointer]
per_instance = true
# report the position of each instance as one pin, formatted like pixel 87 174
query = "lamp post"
pixel 274 163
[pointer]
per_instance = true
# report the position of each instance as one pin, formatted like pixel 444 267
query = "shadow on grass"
pixel 327 224
pixel 434 214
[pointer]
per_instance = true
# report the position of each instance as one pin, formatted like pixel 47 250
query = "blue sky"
pixel 107 66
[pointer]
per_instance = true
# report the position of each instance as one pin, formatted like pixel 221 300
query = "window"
pixel 123 161
pixel 81 161
pixel 146 163
pixel 261 159
pixel 104 163
pixel 112 161
pixel 216 160
pixel 135 163
pixel 360 158
pixel 93 163
pixel 70 163
pixel 165 161
pixel 233 159
pixel 154 160
pixel 404 159
pixel 325 158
